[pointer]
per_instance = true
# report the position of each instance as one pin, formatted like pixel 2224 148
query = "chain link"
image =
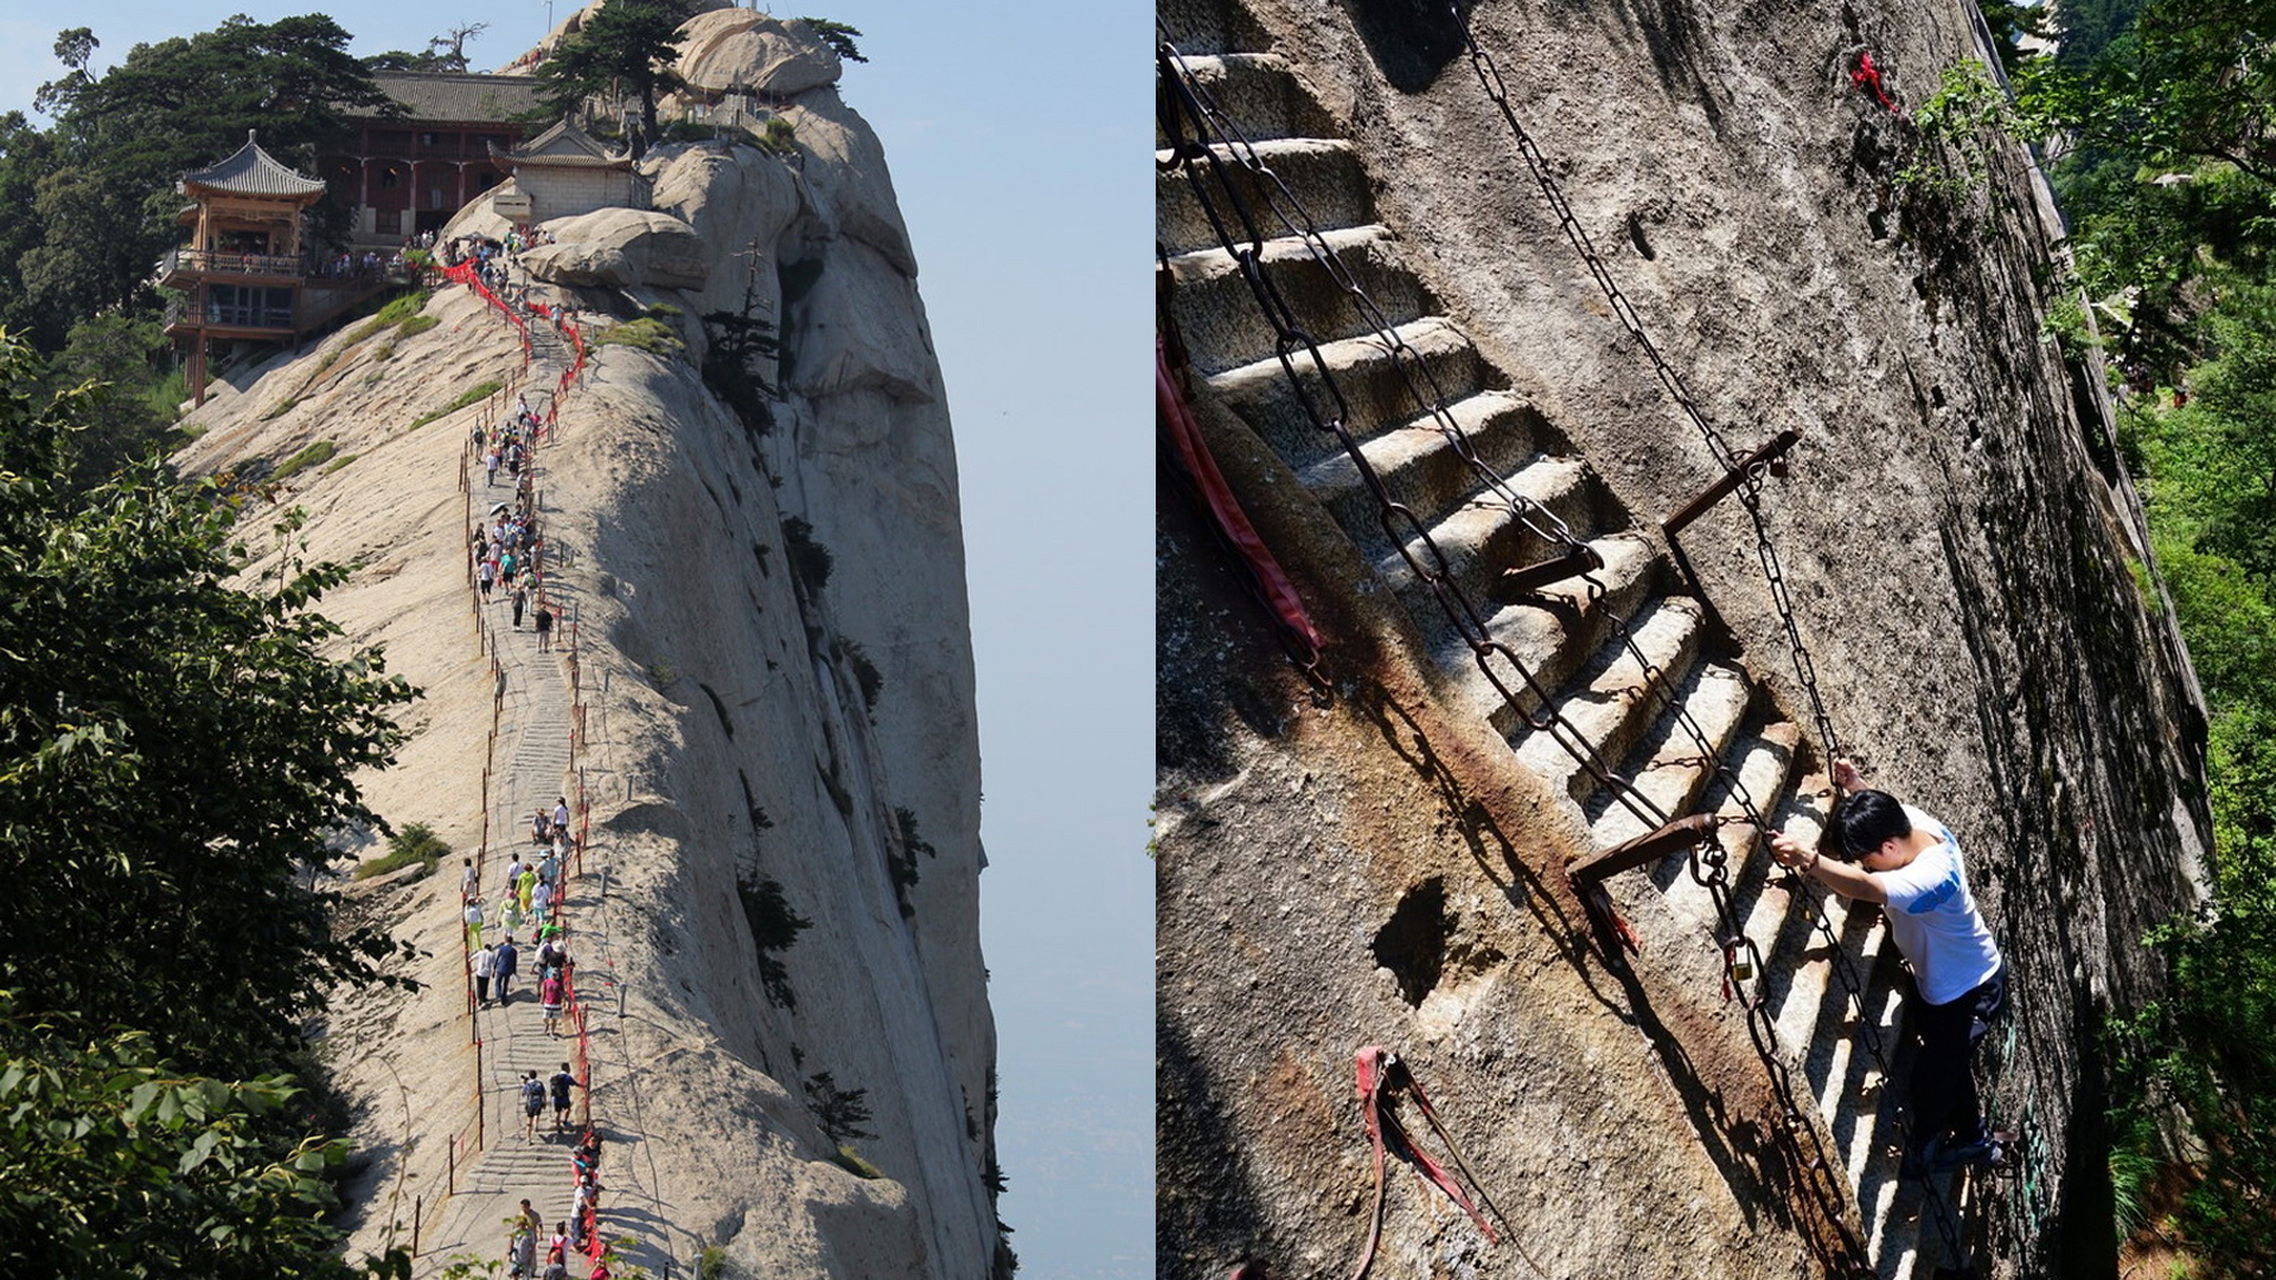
pixel 1766 550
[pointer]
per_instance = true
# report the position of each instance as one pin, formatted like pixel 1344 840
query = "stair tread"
pixel 1200 266
pixel 1426 335
pixel 1664 771
pixel 1667 633
pixel 1462 533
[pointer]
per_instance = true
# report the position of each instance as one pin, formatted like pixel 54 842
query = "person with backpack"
pixel 520 1252
pixel 502 967
pixel 533 1104
pixel 544 628
pixel 562 1082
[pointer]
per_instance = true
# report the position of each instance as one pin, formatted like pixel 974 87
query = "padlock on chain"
pixel 1741 960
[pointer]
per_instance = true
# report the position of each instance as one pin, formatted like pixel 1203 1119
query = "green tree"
pixel 104 201
pixel 837 35
pixel 174 749
pixel 121 1167
pixel 629 44
pixel 122 356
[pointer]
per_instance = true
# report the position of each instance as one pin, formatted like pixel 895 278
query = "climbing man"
pixel 533 1104
pixel 1877 850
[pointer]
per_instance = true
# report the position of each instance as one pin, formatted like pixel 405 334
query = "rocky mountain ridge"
pixel 777 684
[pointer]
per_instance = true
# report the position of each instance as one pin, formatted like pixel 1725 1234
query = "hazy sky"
pixel 1014 135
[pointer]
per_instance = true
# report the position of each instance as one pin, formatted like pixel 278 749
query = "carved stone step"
pixel 1224 324
pixel 1555 631
pixel 1324 174
pixel 1422 468
pixel 1671 769
pixel 1616 707
pixel 1486 534
pixel 1374 386
pixel 1258 92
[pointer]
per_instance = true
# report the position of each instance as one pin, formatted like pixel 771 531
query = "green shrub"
pixel 414 843
pixel 780 138
pixel 321 451
pixel 364 330
pixel 645 334
pixel 482 391
pixel 713 1264
pixel 403 308
pixel 850 1160
pixel 339 462
pixel 281 408
pixel 385 351
pixel 415 326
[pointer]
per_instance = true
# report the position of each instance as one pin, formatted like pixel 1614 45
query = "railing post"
pixel 418 1203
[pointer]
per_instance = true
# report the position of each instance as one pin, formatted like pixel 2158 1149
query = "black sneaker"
pixel 1988 1152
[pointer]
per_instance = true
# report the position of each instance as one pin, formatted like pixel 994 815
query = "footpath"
pixel 534 755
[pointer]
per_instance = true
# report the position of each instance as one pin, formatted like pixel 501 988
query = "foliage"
pixel 838 36
pixel 2211 1046
pixel 904 864
pixel 125 355
pixel 119 1164
pixel 316 453
pixel 780 138
pixel 417 325
pixel 400 310
pixel 101 180
pixel 712 1263
pixel 479 391
pixel 645 334
pixel 445 52
pixel 852 1162
pixel 775 926
pixel 810 561
pixel 415 842
pixel 740 346
pixel 840 1112
pixel 1968 115
pixel 629 45
pixel 173 747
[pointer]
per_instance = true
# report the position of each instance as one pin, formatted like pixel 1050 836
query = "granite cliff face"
pixel 776 676
pixel 1964 560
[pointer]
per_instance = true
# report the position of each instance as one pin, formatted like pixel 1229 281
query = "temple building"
pixel 244 275
pixel 407 174
pixel 564 172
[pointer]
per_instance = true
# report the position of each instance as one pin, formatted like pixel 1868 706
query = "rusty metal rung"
pixel 1647 848
pixel 1515 584
pixel 1732 478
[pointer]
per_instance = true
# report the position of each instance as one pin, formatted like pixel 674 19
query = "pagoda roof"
pixel 252 171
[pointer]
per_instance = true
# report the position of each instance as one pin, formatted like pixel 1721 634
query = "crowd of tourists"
pixel 507 546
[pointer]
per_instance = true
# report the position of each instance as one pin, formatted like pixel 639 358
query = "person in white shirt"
pixel 1878 850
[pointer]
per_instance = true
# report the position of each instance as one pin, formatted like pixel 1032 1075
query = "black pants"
pixel 482 988
pixel 1943 1085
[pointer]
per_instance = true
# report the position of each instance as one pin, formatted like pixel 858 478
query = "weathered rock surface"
pixel 619 249
pixel 1961 551
pixel 745 50
pixel 777 670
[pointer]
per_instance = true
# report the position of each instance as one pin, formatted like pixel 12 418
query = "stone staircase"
pixel 1568 635
pixel 534 770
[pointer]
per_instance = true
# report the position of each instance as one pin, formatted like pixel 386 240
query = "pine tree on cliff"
pixel 629 45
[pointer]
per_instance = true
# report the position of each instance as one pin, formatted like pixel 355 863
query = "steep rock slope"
pixel 1954 534
pixel 777 680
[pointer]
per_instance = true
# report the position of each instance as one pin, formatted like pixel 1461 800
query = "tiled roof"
pixel 459 97
pixel 253 171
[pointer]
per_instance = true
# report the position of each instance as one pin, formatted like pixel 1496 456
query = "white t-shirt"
pixel 1933 918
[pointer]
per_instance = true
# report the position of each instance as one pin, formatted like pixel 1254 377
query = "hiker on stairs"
pixel 1877 850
